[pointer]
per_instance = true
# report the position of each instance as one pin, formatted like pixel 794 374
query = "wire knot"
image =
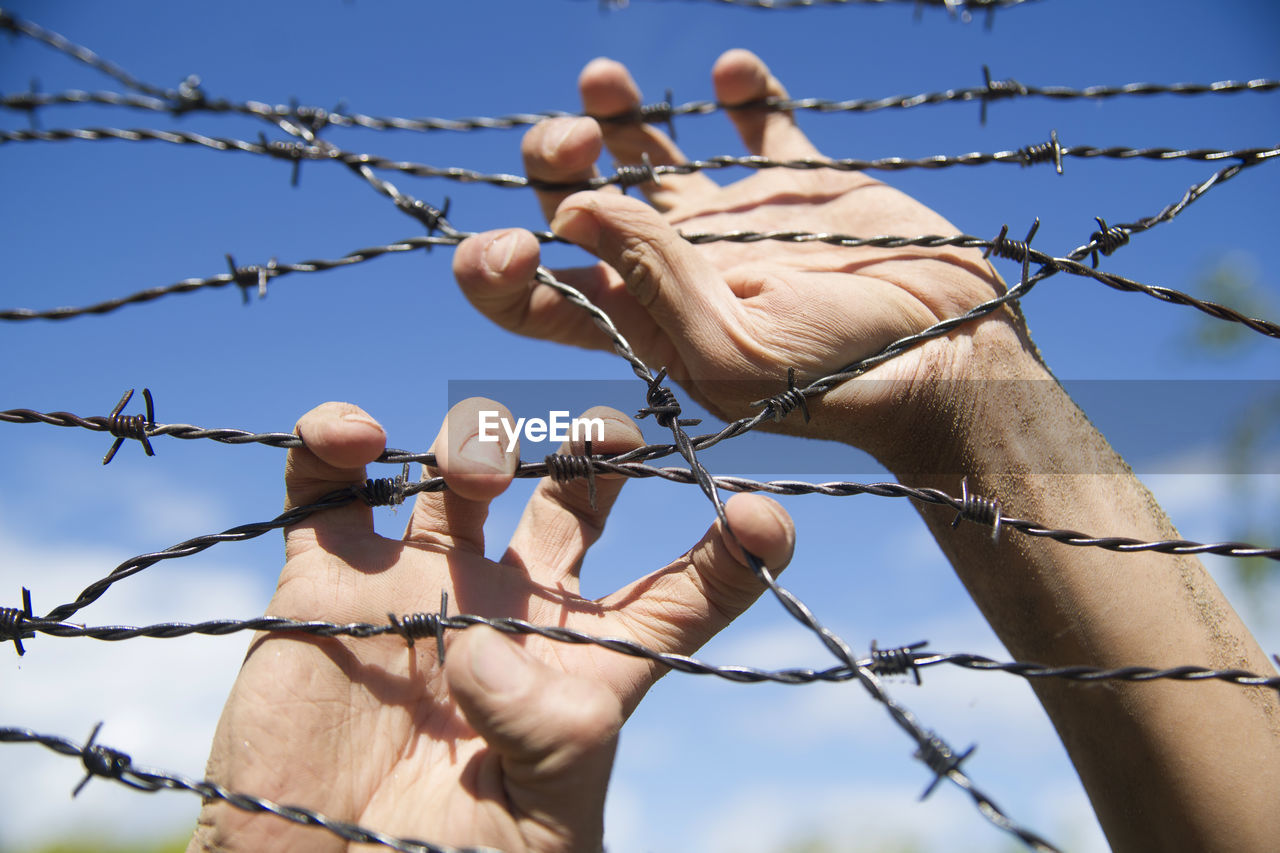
pixel 285 149
pixel 662 112
pixel 314 119
pixel 28 102
pixel 386 491
pixel 781 405
pixel 1107 240
pixel 939 757
pixel 433 218
pixel 663 404
pixel 130 426
pixel 633 174
pixel 189 96
pixel 101 761
pixel 994 90
pixel 1043 152
pixel 252 276
pixel 413 626
pixel 896 661
pixel 11 622
pixel 564 468
pixel 979 510
pixel 1014 250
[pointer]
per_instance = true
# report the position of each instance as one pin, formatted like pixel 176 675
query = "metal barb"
pixel 252 275
pixel 896 661
pixel 32 103
pixel 314 119
pixel 996 89
pixel 634 174
pixel 663 404
pixel 190 96
pixel 433 223
pixel 788 401
pixel 940 758
pixel 130 426
pixel 416 625
pixel 564 467
pixel 11 622
pixel 979 510
pixel 662 112
pixel 101 761
pixel 386 491
pixel 1107 239
pixel 1044 152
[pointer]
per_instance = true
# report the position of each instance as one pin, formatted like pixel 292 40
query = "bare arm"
pixel 1166 765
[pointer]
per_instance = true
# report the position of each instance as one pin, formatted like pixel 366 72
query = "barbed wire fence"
pixel 302 127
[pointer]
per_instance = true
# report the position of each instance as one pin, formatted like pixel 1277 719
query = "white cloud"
pixel 159 700
pixel 864 816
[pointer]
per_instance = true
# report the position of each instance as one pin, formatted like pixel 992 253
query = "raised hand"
pixel 746 312
pixel 508 745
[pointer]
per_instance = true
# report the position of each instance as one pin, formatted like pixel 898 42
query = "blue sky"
pixel 704 765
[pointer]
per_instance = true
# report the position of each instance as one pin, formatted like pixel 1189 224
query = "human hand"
pixel 508 745
pixel 747 312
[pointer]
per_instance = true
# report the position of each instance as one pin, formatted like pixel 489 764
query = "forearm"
pixel 1167 765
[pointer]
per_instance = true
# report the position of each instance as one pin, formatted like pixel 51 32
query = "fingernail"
pixel 557 137
pixel 360 418
pixel 497 255
pixel 483 454
pixel 577 226
pixel 499 666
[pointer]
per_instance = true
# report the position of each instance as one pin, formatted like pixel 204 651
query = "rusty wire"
pixel 303 125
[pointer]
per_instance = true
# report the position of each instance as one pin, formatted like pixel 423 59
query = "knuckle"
pixel 640 269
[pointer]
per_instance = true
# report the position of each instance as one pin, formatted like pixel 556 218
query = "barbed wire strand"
pixel 632 174
pixel 17 625
pixel 254 275
pixel 188 101
pixel 623 465
pixel 105 762
pixel 931 749
pixel 944 762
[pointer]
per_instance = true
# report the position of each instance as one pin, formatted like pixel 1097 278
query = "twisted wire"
pixel 118 766
pixel 664 405
pixel 935 753
pixel 80 53
pixel 561 467
pixel 1068 264
pixel 882 661
pixel 630 175
pixel 657 113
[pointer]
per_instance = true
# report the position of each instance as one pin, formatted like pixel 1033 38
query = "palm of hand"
pixel 369 731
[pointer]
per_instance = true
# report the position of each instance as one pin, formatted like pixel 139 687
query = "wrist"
pixel 957 402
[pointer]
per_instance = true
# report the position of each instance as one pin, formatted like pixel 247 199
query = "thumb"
pixel 686 296
pixel 554 733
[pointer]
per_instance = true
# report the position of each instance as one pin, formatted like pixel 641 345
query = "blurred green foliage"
pixel 90 845
pixel 1235 279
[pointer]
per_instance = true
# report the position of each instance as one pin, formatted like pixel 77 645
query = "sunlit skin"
pixel 510 744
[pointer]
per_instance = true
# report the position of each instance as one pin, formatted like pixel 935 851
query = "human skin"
pixel 1167 766
pixel 510 743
